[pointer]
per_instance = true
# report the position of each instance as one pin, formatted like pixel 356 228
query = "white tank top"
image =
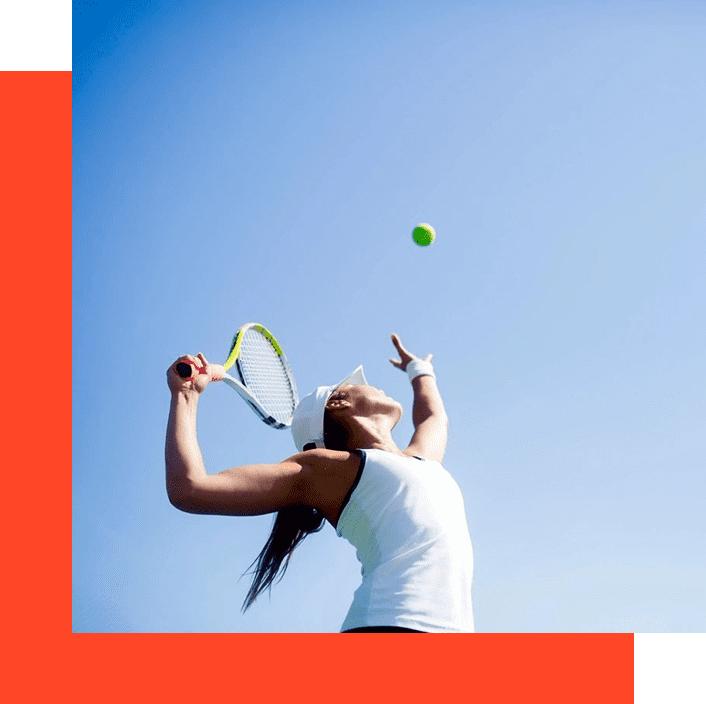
pixel 407 521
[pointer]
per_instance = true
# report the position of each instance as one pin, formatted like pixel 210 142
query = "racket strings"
pixel 267 376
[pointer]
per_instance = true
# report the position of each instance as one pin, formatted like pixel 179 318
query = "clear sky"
pixel 238 161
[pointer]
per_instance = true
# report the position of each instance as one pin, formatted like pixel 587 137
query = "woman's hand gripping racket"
pixel 261 374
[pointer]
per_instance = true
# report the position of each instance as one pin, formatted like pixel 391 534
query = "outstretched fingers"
pixel 405 356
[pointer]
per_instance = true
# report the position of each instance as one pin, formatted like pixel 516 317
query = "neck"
pixel 371 434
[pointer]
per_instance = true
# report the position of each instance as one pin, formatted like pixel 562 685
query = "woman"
pixel 400 509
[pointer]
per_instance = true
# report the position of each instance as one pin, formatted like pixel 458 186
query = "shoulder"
pixel 322 460
pixel 325 478
pixel 429 439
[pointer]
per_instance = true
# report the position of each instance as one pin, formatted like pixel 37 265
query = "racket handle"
pixel 185 370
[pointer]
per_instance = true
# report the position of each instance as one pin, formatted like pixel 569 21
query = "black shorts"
pixel 382 629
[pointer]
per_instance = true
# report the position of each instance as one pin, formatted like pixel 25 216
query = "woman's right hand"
pixel 198 381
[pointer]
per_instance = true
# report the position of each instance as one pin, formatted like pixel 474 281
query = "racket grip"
pixel 186 370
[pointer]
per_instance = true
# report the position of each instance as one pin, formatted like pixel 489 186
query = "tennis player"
pixel 400 509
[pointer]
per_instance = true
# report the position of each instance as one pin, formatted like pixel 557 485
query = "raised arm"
pixel 241 491
pixel 428 412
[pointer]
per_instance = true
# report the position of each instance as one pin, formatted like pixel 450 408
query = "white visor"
pixel 308 418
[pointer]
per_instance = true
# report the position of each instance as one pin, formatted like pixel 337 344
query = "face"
pixel 365 400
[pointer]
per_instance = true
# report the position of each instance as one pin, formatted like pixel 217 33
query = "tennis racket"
pixel 261 374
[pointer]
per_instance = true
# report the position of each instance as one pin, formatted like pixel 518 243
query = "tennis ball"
pixel 423 234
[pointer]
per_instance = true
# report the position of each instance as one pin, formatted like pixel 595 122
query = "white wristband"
pixel 419 367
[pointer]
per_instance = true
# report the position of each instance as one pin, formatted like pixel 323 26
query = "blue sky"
pixel 268 161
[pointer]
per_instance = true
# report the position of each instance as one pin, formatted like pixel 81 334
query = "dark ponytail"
pixel 292 524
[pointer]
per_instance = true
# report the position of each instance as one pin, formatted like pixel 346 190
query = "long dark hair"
pixel 291 525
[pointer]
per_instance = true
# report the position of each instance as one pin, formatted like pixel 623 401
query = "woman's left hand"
pixel 405 356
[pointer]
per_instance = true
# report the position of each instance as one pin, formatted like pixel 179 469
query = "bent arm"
pixel 428 413
pixel 430 420
pixel 182 454
pixel 240 491
pixel 427 400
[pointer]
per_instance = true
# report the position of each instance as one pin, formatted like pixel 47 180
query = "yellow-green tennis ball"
pixel 423 234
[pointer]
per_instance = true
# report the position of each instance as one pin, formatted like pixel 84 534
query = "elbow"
pixel 178 502
pixel 180 497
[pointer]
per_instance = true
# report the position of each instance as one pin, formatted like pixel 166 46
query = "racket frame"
pixel 237 385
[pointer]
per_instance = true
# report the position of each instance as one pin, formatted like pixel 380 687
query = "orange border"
pixel 35 221
pixel 552 669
